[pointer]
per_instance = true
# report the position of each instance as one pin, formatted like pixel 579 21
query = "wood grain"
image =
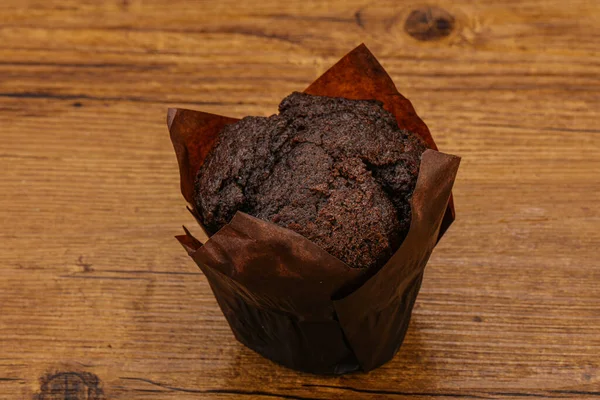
pixel 92 280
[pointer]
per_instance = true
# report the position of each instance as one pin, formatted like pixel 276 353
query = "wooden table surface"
pixel 97 299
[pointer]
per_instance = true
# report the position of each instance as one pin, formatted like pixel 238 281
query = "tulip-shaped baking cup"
pixel 290 300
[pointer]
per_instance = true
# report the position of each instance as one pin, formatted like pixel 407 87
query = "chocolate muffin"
pixel 339 172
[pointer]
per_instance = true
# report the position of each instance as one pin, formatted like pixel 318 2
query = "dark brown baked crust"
pixel 339 172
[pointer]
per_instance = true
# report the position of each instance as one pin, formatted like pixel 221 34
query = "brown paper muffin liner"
pixel 285 297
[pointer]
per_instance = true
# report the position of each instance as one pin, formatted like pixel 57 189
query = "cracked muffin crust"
pixel 339 172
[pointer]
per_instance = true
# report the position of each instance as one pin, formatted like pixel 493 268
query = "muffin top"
pixel 339 172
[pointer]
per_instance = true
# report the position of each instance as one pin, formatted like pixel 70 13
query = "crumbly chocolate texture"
pixel 339 172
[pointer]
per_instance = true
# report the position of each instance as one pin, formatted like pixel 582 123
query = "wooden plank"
pixel 92 281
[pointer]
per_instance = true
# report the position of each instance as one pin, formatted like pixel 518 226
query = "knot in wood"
pixel 429 23
pixel 70 386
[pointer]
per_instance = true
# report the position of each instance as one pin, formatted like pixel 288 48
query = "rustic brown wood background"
pixel 93 282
